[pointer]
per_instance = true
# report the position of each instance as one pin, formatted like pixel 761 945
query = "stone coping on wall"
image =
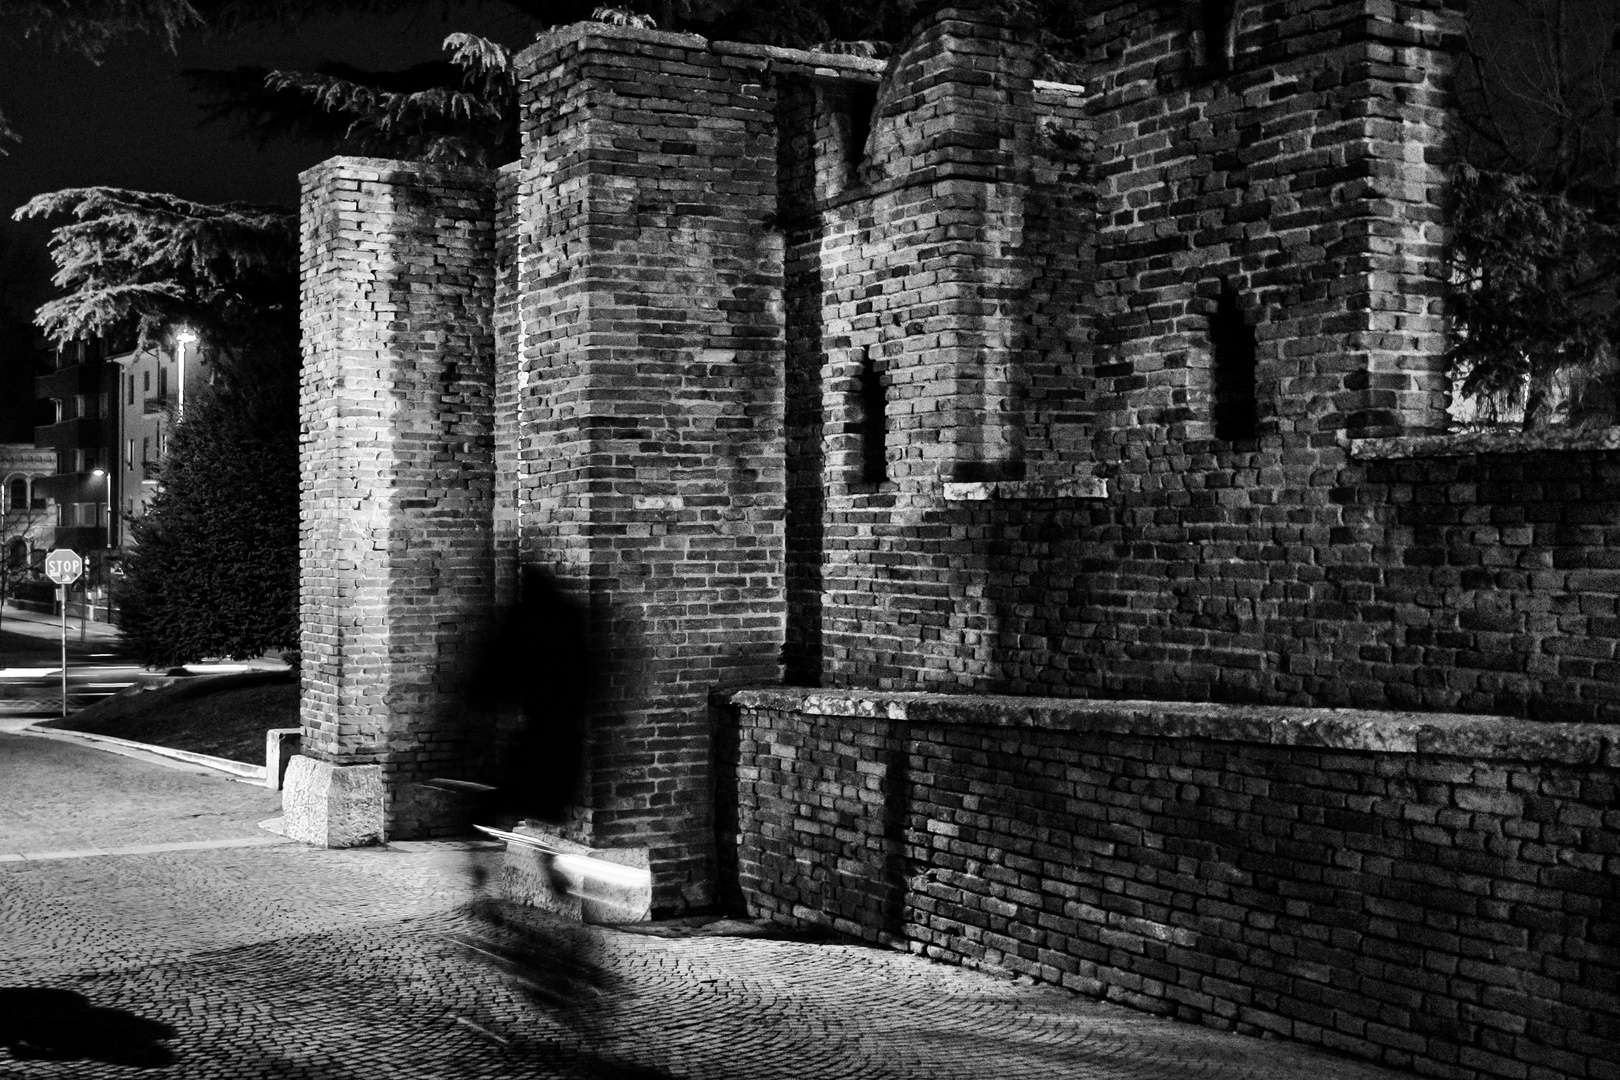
pixel 1451 734
pixel 1469 443
pixel 831 65
pixel 375 170
pixel 1079 487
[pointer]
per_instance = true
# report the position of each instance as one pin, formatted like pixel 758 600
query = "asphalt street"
pixel 149 927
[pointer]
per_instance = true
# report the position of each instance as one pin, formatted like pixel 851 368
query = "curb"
pixel 241 770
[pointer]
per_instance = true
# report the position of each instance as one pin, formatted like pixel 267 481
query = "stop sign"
pixel 64 566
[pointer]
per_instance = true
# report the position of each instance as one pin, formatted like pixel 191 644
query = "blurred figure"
pixel 540 662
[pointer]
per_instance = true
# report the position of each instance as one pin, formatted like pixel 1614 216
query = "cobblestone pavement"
pixel 287 961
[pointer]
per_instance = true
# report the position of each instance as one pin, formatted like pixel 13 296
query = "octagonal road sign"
pixel 64 566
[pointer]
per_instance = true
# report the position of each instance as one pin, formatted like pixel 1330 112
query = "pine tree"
pixel 460 111
pixel 142 262
pixel 215 568
pixel 1535 323
pixel 464 110
pixel 1536 283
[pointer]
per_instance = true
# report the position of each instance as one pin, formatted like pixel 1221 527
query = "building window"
pixel 146 449
pixel 19 494
pixel 131 400
pixel 1220 33
pixel 163 382
pixel 146 381
pixel 129 453
pixel 874 421
pixel 1232 340
pixel 859 106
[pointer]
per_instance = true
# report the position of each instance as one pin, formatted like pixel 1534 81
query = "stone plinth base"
pixel 593 886
pixel 333 805
pixel 280 747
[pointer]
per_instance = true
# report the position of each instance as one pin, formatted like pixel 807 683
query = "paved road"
pixel 200 957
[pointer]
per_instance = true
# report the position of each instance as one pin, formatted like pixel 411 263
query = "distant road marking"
pixel 143 849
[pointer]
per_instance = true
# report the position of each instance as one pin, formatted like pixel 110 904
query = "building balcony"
pixel 82 538
pixel 67 381
pixel 78 487
pixel 81 433
pixel 156 403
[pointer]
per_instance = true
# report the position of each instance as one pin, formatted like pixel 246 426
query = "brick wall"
pixel 1434 892
pixel 1076 261
pixel 952 257
pixel 396 464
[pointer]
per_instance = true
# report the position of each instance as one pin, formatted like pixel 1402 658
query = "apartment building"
pixel 115 405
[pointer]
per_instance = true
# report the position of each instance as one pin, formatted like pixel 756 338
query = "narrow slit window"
pixel 862 102
pixel 1236 410
pixel 1220 33
pixel 874 421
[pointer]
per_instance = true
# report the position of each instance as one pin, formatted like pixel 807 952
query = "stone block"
pixel 280 747
pixel 333 806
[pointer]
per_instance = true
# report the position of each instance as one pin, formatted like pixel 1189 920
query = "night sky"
pixel 132 121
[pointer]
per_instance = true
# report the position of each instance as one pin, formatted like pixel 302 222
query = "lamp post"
pixel 182 338
pixel 107 480
pixel 106 476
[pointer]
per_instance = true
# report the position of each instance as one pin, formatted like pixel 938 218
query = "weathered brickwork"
pixel 1305 181
pixel 1436 892
pixel 650 406
pixel 396 465
pixel 954 258
pixel 928 375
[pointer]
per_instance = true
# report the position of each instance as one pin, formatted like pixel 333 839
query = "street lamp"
pixel 107 477
pixel 182 338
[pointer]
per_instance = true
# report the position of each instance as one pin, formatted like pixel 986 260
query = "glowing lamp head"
pixel 185 336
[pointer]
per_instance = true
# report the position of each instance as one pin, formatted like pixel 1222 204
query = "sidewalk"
pixel 37 625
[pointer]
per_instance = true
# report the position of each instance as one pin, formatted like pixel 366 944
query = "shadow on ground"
pixel 61 1025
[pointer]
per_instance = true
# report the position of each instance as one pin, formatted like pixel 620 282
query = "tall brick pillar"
pixel 397 477
pixel 957 126
pixel 648 390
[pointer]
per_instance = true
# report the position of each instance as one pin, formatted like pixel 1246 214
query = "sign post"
pixel 64 566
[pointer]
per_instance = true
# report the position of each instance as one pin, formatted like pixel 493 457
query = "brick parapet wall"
pixel 1281 569
pixel 1433 892
pixel 396 466
pixel 1306 178
pixel 957 263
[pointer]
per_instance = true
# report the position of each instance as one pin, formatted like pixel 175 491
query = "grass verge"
pixel 222 715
